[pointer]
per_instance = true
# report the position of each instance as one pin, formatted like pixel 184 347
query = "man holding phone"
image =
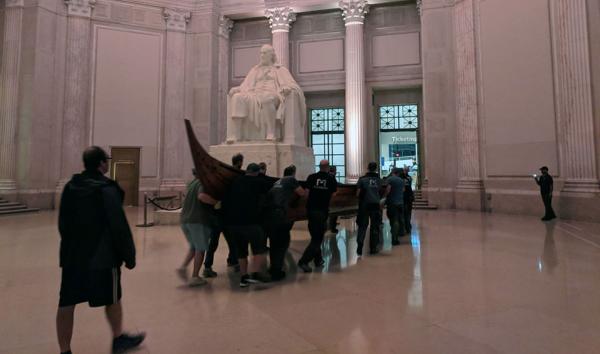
pixel 546 184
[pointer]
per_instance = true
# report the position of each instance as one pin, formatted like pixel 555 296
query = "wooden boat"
pixel 216 176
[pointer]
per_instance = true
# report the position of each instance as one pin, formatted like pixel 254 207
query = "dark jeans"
pixel 232 258
pixel 279 242
pixel 547 199
pixel 317 225
pixel 365 213
pixel 408 216
pixel 396 215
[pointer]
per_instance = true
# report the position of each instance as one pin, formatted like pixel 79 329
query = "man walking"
pixel 409 198
pixel 546 184
pixel 243 209
pixel 95 240
pixel 197 219
pixel 333 220
pixel 277 224
pixel 395 204
pixel 218 225
pixel 321 187
pixel 369 208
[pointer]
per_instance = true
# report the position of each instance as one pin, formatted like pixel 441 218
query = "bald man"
pixel 321 186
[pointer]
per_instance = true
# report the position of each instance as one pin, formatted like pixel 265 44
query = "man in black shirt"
pixel 409 198
pixel 95 240
pixel 321 186
pixel 546 184
pixel 369 207
pixel 277 224
pixel 242 207
pixel 217 226
pixel 333 220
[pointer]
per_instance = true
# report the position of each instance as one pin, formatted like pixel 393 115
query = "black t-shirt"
pixel 244 201
pixel 321 186
pixel 370 186
pixel 546 184
pixel 280 194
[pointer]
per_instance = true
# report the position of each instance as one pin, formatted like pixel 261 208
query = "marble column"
pixel 174 142
pixel 469 176
pixel 356 91
pixel 280 19
pixel 225 27
pixel 75 127
pixel 573 93
pixel 9 92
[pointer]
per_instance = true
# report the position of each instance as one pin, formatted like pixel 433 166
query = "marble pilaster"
pixel 173 128
pixel 225 27
pixel 9 92
pixel 280 19
pixel 573 93
pixel 77 86
pixel 469 176
pixel 356 91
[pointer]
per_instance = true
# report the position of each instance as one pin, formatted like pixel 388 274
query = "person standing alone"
pixel 95 240
pixel 546 184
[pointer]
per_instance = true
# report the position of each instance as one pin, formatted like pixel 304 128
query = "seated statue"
pixel 268 99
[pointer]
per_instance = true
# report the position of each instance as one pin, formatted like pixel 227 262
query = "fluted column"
pixel 469 176
pixel 356 92
pixel 9 92
pixel 574 95
pixel 280 19
pixel 77 86
pixel 225 27
pixel 174 132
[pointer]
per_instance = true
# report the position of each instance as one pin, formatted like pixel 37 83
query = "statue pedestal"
pixel 277 156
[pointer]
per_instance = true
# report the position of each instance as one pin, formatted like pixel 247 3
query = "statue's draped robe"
pixel 260 99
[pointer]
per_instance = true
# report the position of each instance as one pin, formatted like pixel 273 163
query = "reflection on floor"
pixel 461 283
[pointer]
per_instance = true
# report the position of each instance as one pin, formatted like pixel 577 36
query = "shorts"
pixel 198 235
pixel 252 235
pixel 98 287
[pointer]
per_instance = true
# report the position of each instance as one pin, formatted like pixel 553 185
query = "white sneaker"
pixel 197 281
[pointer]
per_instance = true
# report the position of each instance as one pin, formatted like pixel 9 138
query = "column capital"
pixel 420 7
pixel 354 11
pixel 176 20
pixel 80 8
pixel 225 26
pixel 14 3
pixel 280 18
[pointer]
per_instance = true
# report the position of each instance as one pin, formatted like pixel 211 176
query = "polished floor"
pixel 461 283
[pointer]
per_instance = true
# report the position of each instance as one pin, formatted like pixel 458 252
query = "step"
pixel 13 207
pixel 18 211
pixel 8 204
pixel 426 207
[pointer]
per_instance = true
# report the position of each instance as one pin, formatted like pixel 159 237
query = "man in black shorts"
pixel 321 186
pixel 242 207
pixel 277 224
pixel 95 242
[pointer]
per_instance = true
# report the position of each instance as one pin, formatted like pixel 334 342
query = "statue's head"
pixel 267 55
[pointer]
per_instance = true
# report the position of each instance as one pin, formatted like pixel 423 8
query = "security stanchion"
pixel 146 223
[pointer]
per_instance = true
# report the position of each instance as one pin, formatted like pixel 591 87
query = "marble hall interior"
pixel 470 97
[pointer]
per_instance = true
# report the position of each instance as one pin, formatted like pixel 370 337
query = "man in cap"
pixel 369 208
pixel 546 184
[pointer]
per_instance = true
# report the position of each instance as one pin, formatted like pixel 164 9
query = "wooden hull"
pixel 216 177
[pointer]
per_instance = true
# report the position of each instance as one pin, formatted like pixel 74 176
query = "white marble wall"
pixel 493 76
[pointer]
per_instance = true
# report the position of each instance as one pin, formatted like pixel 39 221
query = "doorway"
pixel 399 139
pixel 125 169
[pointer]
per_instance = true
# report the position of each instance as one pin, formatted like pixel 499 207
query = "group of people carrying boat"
pixel 253 214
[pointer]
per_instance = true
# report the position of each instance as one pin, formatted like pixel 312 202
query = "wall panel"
pixel 126 92
pixel 518 93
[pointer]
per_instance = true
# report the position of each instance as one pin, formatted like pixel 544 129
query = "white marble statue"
pixel 268 100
